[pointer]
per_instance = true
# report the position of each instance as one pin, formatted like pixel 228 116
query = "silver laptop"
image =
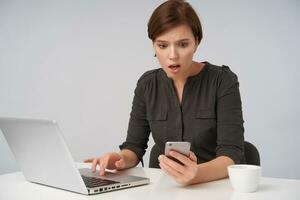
pixel 44 158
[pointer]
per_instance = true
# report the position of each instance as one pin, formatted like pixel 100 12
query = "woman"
pixel 184 100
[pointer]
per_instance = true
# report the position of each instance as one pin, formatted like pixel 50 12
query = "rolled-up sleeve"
pixel 138 128
pixel 230 129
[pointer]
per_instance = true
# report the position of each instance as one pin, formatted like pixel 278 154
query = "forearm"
pixel 130 158
pixel 213 170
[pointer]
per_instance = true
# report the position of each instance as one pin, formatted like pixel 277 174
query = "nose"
pixel 173 54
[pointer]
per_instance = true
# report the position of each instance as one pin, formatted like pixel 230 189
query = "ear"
pixel 154 49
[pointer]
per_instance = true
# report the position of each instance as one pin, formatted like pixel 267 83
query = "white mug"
pixel 244 178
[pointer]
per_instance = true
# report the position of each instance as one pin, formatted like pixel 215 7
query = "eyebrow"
pixel 182 40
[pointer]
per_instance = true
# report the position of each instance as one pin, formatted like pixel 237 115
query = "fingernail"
pixel 159 157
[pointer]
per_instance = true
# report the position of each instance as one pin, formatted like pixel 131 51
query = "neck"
pixel 195 69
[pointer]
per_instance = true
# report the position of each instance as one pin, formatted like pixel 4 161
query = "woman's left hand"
pixel 184 174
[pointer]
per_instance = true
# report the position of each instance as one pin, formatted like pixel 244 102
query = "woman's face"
pixel 175 49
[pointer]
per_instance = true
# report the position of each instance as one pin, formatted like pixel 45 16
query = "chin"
pixel 170 74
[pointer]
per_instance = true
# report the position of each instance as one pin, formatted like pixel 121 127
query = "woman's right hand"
pixel 110 160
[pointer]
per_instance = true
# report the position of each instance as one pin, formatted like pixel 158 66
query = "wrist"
pixel 129 157
pixel 197 178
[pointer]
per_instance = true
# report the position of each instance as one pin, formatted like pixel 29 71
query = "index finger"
pixel 182 158
pixel 103 165
pixel 192 156
pixel 89 160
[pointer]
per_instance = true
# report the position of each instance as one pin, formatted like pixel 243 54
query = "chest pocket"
pixel 158 119
pixel 205 114
pixel 205 118
pixel 205 124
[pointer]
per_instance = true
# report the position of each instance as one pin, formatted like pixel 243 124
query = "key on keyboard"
pixel 96 182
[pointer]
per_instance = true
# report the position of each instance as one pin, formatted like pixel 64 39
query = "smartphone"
pixel 181 147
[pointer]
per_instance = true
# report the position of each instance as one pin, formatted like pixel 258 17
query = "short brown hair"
pixel 171 14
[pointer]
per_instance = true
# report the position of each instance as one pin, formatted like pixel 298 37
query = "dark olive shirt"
pixel 210 115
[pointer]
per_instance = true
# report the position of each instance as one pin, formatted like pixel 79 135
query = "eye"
pixel 183 44
pixel 162 46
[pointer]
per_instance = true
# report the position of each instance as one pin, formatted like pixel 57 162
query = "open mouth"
pixel 174 67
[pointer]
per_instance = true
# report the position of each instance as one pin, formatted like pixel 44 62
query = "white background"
pixel 78 62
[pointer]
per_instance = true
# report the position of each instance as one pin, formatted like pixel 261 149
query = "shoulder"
pixel 222 79
pixel 146 81
pixel 148 76
pixel 221 74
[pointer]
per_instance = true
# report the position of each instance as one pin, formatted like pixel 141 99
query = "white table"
pixel 14 186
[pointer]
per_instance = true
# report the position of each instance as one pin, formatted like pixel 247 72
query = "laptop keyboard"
pixel 92 182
